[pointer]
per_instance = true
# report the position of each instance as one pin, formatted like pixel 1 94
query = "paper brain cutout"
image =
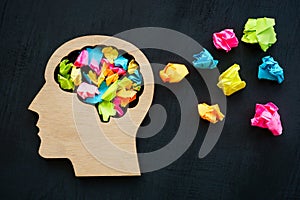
pixel 102 76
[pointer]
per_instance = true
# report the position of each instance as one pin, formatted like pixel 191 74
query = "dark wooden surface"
pixel 246 163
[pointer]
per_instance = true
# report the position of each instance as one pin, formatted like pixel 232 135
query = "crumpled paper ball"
pixel 225 40
pixel 230 81
pixel 266 116
pixel 261 31
pixel 210 113
pixel 173 73
pixel 270 70
pixel 204 60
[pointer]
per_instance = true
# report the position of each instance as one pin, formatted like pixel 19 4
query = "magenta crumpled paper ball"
pixel 225 40
pixel 266 116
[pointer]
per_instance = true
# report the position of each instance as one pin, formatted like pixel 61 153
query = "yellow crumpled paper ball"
pixel 110 53
pixel 76 76
pixel 173 73
pixel 230 81
pixel 210 113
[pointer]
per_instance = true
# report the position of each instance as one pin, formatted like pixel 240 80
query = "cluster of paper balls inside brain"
pixel 104 77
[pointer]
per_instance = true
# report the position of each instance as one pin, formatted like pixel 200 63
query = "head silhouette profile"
pixel 70 128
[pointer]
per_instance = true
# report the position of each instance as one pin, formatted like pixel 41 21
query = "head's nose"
pixel 32 105
pixel 35 102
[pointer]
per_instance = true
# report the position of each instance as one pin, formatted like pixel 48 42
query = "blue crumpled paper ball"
pixel 204 60
pixel 270 70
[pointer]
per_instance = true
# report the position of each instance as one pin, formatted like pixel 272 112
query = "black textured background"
pixel 246 163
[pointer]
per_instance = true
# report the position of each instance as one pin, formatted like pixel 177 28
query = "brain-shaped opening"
pixel 102 76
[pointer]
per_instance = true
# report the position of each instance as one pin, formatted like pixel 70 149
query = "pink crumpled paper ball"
pixel 266 116
pixel 86 90
pixel 82 59
pixel 225 40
